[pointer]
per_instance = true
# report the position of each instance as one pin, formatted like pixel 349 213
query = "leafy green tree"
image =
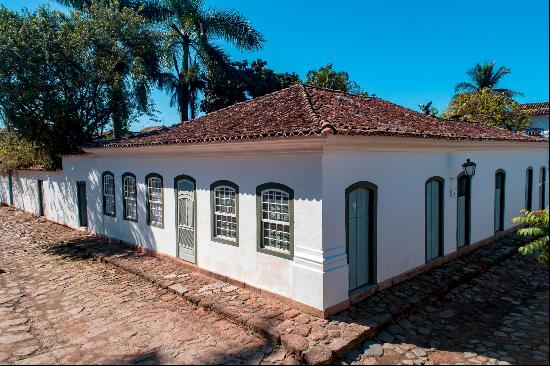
pixel 224 87
pixel 65 77
pixel 327 77
pixel 18 152
pixel 428 110
pixel 261 80
pixel 485 76
pixel 490 108
pixel 238 81
pixel 535 227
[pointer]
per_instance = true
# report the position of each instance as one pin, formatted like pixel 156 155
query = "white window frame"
pixel 223 191
pixel 155 200
pixel 275 206
pixel 130 196
pixel 109 201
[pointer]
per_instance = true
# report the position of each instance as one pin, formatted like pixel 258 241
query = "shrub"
pixel 535 227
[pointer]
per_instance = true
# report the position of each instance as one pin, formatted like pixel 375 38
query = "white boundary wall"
pixel 318 274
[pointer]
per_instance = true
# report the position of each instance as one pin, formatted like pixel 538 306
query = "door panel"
pixel 82 203
pixel 360 237
pixel 463 210
pixel 433 219
pixel 40 198
pixel 186 220
pixel 499 202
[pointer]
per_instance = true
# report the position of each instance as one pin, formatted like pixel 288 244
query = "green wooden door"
pixel 360 232
pixel 82 203
pixel 40 190
pixel 434 214
pixel 185 224
pixel 499 201
pixel 463 210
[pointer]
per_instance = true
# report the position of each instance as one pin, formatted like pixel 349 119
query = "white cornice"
pixel 317 144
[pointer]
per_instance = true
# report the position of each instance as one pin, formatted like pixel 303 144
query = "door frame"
pixel 79 204
pixel 440 249
pixel 373 234
pixel 467 211
pixel 502 197
pixel 176 207
pixel 40 188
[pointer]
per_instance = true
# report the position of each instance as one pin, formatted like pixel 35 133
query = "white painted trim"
pixel 293 145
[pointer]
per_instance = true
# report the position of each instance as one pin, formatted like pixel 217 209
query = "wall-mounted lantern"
pixel 469 168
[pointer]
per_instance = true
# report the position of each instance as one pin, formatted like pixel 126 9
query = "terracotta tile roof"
pixel 304 110
pixel 540 109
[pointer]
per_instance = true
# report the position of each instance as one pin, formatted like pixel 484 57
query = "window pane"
pixel 225 213
pixel 130 198
pixel 109 194
pixel 154 192
pixel 276 220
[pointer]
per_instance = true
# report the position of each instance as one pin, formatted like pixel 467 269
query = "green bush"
pixel 17 152
pixel 535 227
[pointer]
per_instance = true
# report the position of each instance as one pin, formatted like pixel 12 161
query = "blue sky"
pixel 407 52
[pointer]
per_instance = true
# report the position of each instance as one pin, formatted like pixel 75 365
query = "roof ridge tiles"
pixel 324 126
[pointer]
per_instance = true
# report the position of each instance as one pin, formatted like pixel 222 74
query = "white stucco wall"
pixel 59 194
pixel 4 190
pixel 300 172
pixel 400 177
pixel 318 273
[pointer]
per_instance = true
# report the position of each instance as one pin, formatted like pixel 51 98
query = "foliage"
pixel 189 51
pixel 428 110
pixel 327 77
pixel 485 77
pixel 17 152
pixel 490 108
pixel 261 80
pixel 535 227
pixel 64 78
pixel 238 81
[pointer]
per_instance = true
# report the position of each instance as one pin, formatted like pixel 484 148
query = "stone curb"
pixel 362 330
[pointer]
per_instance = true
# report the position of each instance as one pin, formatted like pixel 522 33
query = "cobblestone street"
pixel 500 317
pixel 69 309
pixel 62 311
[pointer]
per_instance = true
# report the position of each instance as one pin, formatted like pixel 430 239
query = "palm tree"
pixel 485 77
pixel 189 30
pixel 189 48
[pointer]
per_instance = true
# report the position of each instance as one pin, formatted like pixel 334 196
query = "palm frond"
pixel 234 28
pixel 465 87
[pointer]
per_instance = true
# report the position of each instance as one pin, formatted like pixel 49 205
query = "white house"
pixel 311 194
pixel 538 125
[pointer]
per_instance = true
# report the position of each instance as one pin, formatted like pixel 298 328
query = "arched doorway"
pixel 185 218
pixel 361 200
pixel 500 184
pixel 463 204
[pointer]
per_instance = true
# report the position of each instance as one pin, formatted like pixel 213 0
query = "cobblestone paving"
pixel 500 317
pixel 55 310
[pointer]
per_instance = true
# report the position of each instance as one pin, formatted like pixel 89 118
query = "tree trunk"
pixel 184 85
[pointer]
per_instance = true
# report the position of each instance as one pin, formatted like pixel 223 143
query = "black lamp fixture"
pixel 469 168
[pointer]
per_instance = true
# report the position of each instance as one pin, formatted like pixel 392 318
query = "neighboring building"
pixel 538 126
pixel 312 194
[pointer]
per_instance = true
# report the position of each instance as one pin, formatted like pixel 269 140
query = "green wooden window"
pixel 529 189
pixel 434 218
pixel 109 203
pixel 155 200
pixel 275 203
pixel 129 198
pixel 225 198
pixel 542 188
pixel 500 190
